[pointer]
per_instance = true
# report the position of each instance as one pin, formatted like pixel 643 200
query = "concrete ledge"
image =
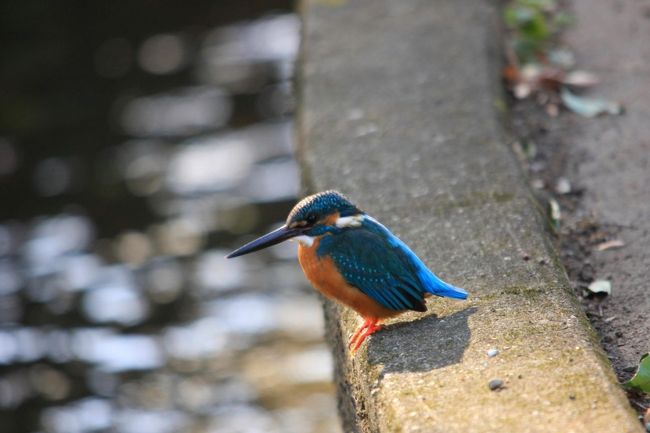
pixel 398 111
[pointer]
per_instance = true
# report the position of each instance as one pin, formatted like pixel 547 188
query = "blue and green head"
pixel 316 215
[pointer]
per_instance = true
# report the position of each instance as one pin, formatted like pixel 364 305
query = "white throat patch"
pixel 304 240
pixel 350 221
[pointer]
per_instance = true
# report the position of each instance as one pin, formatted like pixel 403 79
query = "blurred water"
pixel 133 157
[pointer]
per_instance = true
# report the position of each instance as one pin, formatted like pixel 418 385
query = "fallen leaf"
pixel 555 212
pixel 551 78
pixel 532 78
pixel 522 90
pixel 580 79
pixel 588 107
pixel 511 73
pixel 527 80
pixel 641 380
pixel 600 286
pixel 614 243
pixel 563 186
pixel 562 57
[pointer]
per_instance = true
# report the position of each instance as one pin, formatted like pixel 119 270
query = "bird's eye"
pixel 311 218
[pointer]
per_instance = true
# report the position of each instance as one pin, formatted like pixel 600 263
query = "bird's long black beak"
pixel 275 237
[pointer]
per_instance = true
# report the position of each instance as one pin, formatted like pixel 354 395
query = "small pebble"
pixel 563 186
pixel 537 184
pixel 495 384
pixel 492 352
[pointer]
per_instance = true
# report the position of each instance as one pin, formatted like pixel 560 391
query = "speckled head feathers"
pixel 315 207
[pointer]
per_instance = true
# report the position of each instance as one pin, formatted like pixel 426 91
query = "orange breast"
pixel 323 275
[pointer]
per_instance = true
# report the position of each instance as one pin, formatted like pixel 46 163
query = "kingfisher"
pixel 350 257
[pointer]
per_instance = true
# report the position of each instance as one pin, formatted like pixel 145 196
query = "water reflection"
pixel 181 112
pixel 112 352
pixel 118 310
pixel 85 415
pixel 164 53
pixel 237 57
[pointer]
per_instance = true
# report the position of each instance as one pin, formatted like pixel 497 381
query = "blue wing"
pixel 431 283
pixel 383 267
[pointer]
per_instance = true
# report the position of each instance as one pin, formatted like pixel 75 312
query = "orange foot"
pixel 369 327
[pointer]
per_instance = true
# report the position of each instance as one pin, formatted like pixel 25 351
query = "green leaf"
pixel 516 16
pixel 525 49
pixel 562 19
pixel 529 21
pixel 535 28
pixel 641 380
pixel 588 107
pixel 540 4
pixel 555 212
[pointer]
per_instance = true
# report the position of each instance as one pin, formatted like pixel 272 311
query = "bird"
pixel 353 259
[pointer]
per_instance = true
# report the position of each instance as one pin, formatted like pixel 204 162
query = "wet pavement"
pixel 132 159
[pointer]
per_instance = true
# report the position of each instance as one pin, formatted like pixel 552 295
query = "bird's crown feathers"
pixel 315 207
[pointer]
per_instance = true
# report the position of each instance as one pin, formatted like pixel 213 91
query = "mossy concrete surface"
pixel 398 109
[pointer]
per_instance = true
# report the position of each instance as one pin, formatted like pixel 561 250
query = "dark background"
pixel 140 141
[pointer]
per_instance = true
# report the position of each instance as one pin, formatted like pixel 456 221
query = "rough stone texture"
pixel 611 157
pixel 398 111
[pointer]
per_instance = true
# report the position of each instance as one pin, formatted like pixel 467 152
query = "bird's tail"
pixel 436 286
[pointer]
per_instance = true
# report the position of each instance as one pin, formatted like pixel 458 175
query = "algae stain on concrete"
pixel 526 291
